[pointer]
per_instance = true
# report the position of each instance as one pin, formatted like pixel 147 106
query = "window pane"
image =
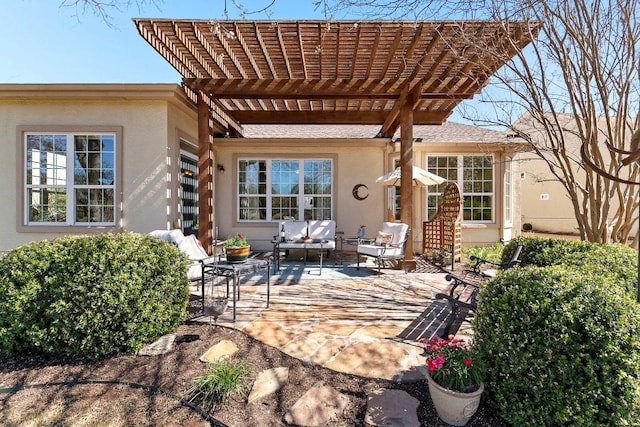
pixel 478 208
pixel 253 208
pixel 317 177
pixel 93 166
pixel 284 208
pixel 94 205
pixel 47 164
pixel 46 160
pixel 285 175
pixel 294 191
pixel 47 204
pixel 317 208
pixel 252 176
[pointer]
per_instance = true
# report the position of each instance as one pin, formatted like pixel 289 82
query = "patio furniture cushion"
pixel 189 245
pixel 319 230
pixel 393 250
pixel 192 247
pixel 171 236
pixel 384 238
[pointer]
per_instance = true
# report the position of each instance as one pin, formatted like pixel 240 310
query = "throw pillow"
pixel 384 238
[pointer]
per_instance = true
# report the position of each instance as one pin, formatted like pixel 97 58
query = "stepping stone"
pixel 317 407
pixel 224 348
pixel 161 346
pixel 268 382
pixel 392 408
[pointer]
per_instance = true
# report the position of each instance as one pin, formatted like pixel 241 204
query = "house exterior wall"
pixel 546 205
pixel 156 121
pixel 149 117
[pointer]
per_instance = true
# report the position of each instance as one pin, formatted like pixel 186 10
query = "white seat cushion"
pixel 191 246
pixel 380 251
pixel 398 229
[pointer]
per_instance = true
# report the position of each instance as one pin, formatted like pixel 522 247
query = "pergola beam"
pixel 330 117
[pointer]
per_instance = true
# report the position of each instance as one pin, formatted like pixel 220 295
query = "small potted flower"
pixel 237 248
pixel 455 376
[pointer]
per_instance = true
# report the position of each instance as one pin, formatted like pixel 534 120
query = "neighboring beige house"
pixel 82 158
pixel 545 203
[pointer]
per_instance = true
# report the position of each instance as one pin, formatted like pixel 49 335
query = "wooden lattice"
pixel 442 232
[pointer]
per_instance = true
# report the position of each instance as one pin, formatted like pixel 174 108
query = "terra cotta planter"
pixel 453 407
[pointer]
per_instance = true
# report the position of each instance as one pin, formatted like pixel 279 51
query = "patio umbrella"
pixel 420 177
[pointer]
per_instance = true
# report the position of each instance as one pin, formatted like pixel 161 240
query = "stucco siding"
pixel 146 139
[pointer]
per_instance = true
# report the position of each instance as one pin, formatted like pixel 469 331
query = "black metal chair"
pixel 479 262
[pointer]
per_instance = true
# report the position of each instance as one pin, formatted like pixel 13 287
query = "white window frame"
pixel 302 198
pixel 70 224
pixel 459 167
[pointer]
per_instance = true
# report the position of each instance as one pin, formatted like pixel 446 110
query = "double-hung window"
pixel 474 175
pixel 275 189
pixel 70 178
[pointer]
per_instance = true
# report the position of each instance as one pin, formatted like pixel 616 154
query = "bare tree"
pixel 104 8
pixel 580 79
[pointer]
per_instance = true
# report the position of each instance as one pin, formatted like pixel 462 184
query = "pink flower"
pixel 468 362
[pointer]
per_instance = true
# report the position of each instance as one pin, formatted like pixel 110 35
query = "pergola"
pixel 389 73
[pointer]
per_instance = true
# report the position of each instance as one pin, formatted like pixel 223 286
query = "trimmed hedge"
pixel 92 296
pixel 562 346
pixel 542 251
pixel 618 261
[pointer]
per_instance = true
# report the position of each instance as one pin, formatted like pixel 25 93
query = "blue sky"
pixel 42 42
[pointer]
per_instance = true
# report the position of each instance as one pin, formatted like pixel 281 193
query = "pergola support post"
pixel 205 174
pixel 406 175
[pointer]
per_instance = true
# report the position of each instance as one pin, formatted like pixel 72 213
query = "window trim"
pixel 507 182
pixel 269 158
pixel 21 223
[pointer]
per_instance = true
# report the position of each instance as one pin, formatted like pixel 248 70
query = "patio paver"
pixel 348 325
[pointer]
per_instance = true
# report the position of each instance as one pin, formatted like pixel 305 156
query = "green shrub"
pixel 543 251
pixel 223 379
pixel 491 253
pixel 618 262
pixel 562 347
pixel 92 296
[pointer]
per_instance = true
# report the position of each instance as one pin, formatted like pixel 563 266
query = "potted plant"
pixel 455 375
pixel 237 248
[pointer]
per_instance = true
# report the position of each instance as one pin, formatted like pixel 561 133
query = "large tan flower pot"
pixel 453 407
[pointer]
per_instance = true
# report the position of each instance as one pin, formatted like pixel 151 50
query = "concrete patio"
pixel 347 320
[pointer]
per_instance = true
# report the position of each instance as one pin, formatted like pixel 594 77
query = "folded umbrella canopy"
pixel 420 177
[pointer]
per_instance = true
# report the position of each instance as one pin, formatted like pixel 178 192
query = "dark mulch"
pixel 135 390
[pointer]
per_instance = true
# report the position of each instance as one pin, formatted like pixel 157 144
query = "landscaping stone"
pixel 268 382
pixel 317 407
pixel 161 346
pixel 224 348
pixel 392 408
